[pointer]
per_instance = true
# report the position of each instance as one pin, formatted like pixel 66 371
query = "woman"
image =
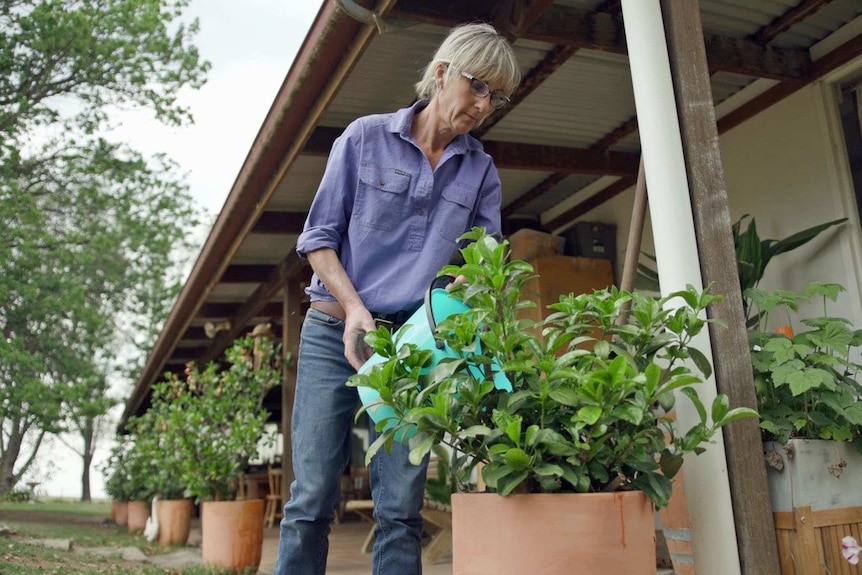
pixel 397 192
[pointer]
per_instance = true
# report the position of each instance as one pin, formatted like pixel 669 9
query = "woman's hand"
pixel 356 325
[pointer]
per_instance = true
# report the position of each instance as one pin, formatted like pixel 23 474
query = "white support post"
pixel 706 480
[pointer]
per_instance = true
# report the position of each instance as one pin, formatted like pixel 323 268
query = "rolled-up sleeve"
pixel 330 211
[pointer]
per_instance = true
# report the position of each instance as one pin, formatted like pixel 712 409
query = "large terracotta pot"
pixel 175 519
pixel 139 512
pixel 553 534
pixel 232 534
pixel 120 512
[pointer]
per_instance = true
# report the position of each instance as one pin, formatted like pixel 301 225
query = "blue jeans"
pixel 320 433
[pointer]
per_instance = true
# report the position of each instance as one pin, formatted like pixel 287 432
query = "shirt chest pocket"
pixel 453 214
pixel 381 197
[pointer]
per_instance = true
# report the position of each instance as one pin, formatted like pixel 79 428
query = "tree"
pixel 89 228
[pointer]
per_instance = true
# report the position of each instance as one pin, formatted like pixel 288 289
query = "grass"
pixel 63 519
pixel 101 508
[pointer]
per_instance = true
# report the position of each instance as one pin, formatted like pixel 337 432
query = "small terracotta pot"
pixel 139 512
pixel 120 512
pixel 175 519
pixel 232 534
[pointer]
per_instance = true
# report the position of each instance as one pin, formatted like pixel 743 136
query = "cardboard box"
pixel 559 275
pixel 527 244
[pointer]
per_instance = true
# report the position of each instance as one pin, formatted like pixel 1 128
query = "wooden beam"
pixel 750 59
pixel 787 20
pixel 543 186
pixel 828 63
pixel 292 322
pixel 513 156
pixel 280 223
pixel 625 129
pixel 246 274
pixel 198 332
pixel 571 26
pixel 590 203
pixel 320 141
pixel 752 514
pixel 222 311
pixel 513 17
pixel 289 268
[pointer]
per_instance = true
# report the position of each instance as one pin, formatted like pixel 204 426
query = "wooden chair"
pixel 274 499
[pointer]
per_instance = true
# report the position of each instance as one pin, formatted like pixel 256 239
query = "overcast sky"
pixel 251 45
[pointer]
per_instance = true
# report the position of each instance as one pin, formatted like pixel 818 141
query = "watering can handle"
pixel 436 283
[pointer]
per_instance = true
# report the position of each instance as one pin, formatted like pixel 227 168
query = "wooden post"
pixel 292 323
pixel 758 552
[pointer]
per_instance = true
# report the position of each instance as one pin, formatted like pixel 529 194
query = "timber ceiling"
pixel 572 122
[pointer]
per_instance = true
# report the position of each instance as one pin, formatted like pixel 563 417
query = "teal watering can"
pixel 420 330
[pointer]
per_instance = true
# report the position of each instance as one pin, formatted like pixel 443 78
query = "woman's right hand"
pixel 356 325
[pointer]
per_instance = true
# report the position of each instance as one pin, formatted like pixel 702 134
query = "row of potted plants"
pixel 193 444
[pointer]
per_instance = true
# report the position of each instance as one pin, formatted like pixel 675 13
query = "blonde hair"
pixel 477 49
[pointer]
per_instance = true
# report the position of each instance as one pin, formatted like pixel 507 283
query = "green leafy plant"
pixel 213 420
pixel 806 383
pixel 158 465
pixel 127 471
pixel 588 408
pixel 753 254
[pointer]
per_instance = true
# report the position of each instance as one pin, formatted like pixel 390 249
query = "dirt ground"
pixel 37 516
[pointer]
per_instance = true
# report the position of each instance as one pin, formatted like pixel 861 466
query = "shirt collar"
pixel 402 120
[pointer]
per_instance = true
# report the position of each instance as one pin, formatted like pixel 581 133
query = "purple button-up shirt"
pixel 393 220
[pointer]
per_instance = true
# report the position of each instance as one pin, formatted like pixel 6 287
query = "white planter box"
pixel 816 500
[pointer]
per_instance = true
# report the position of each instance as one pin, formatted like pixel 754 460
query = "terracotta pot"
pixel 139 512
pixel 232 534
pixel 553 534
pixel 677 529
pixel 120 512
pixel 175 519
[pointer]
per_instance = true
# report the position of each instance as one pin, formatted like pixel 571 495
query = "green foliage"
pixel 127 471
pixel 806 384
pixel 93 235
pixel 588 410
pixel 210 424
pixel 753 254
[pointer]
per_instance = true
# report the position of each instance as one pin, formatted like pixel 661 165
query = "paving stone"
pixel 133 554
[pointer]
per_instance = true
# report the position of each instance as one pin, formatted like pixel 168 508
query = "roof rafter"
pixel 289 268
pixel 784 22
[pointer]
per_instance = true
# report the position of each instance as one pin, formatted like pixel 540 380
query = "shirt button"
pixel 382 183
pixel 420 211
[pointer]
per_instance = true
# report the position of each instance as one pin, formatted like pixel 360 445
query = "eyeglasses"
pixel 481 90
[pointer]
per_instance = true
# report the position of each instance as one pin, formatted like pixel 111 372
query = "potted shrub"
pixel 808 396
pixel 113 471
pixel 213 423
pixel 584 428
pixel 171 509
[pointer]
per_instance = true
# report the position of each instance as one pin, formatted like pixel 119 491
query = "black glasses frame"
pixel 480 89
